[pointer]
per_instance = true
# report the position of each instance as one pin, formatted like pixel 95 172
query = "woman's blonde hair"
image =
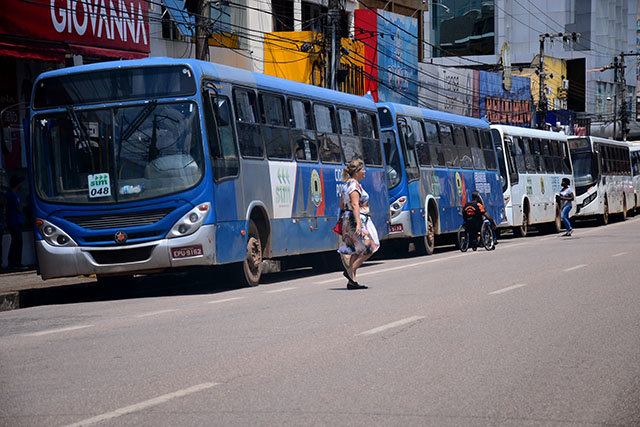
pixel 351 169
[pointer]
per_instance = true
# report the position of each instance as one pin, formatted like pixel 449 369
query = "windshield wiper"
pixel 138 120
pixel 81 134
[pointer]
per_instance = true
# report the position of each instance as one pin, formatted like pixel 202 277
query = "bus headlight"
pixel 190 222
pixel 589 199
pixel 53 235
pixel 396 207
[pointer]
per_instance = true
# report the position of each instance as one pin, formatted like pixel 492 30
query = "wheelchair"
pixel 485 238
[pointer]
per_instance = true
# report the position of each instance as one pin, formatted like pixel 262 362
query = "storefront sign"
pixel 112 24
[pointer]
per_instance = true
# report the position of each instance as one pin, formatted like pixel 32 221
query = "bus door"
pixel 407 135
pixel 225 165
pixel 310 206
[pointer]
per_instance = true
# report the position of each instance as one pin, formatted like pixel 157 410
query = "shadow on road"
pixel 211 280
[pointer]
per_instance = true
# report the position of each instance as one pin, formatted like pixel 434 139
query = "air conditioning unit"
pixel 548 90
pixel 565 84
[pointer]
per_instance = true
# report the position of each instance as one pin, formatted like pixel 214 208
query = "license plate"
pixel 395 228
pixel 186 251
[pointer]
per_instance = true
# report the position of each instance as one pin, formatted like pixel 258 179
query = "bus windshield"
pixel 117 154
pixel 394 168
pixel 584 169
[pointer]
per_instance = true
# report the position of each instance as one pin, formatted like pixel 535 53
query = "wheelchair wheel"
pixel 463 239
pixel 486 236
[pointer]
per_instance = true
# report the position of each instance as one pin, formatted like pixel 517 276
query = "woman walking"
pixel 566 196
pixel 359 235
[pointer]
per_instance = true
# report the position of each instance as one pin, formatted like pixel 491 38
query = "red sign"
pixel 511 111
pixel 112 24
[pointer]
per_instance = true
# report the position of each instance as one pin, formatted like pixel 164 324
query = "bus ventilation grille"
pixel 99 222
pixel 122 256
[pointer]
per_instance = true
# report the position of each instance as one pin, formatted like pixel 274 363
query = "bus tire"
pixel 624 209
pixel 426 244
pixel 604 218
pixel 251 267
pixel 556 225
pixel 523 229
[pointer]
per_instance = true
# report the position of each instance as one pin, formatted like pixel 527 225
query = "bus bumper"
pixel 589 204
pixel 195 249
pixel 400 227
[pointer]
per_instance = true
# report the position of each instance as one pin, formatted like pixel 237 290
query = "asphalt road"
pixel 541 331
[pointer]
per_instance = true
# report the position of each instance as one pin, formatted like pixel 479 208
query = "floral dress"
pixel 368 242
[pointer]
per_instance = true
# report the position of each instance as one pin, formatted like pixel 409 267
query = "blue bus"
pixel 146 165
pixel 434 161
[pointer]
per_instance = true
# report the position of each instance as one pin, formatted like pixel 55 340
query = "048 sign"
pixel 99 185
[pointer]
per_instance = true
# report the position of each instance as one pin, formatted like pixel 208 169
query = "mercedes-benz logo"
pixel 120 237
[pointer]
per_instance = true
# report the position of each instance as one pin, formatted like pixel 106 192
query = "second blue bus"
pixel 434 161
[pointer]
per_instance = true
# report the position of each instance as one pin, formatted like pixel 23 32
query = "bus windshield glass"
pixel 119 154
pixel 124 84
pixel 584 169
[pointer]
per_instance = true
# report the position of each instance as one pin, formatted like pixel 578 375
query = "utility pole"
pixel 624 119
pixel 615 95
pixel 201 32
pixel 332 63
pixel 542 96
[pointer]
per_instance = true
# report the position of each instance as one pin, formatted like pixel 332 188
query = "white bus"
pixel 603 182
pixel 535 163
pixel 635 171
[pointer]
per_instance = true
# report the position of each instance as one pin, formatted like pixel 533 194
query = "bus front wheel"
pixel 252 264
pixel 604 218
pixel 427 243
pixel 522 230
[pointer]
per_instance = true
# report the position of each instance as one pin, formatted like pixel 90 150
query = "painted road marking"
pixel 391 325
pixel 154 313
pixel 55 331
pixel 575 268
pixel 217 301
pixel 143 405
pixel 620 254
pixel 507 289
pixel 399 267
pixel 280 290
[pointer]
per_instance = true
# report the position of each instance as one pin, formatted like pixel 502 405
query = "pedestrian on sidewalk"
pixel 359 235
pixel 14 222
pixel 566 198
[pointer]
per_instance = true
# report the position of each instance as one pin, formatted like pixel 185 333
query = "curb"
pixel 9 301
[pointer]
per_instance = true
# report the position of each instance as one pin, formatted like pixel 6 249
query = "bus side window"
pixel 566 160
pixel 518 152
pixel 222 146
pixel 546 155
pixel 537 155
pixel 328 140
pixel 408 141
pixel 433 141
pixel 555 157
pixel 464 152
pixel 450 155
pixel 422 149
pixel 529 159
pixel 476 149
pixel 274 129
pixel 488 148
pixel 249 135
pixel 302 134
pixel 349 140
pixel 368 129
pixel 509 148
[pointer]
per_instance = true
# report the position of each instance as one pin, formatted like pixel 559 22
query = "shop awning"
pixel 33 50
pixel 103 52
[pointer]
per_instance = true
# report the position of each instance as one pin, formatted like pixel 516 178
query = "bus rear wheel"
pixel 624 209
pixel 556 225
pixel 251 267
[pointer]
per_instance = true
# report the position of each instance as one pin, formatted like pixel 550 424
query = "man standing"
pixel 14 221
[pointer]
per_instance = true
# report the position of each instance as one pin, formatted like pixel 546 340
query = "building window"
pixel 282 15
pixel 462 28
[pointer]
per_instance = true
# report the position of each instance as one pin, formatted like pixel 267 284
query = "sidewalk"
pixel 15 284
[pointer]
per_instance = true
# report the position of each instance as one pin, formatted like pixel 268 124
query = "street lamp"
pixel 446 8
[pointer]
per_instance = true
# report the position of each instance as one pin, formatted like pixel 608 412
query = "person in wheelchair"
pixel 474 215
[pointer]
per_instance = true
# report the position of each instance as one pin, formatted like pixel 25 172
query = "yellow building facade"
pixel 556 85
